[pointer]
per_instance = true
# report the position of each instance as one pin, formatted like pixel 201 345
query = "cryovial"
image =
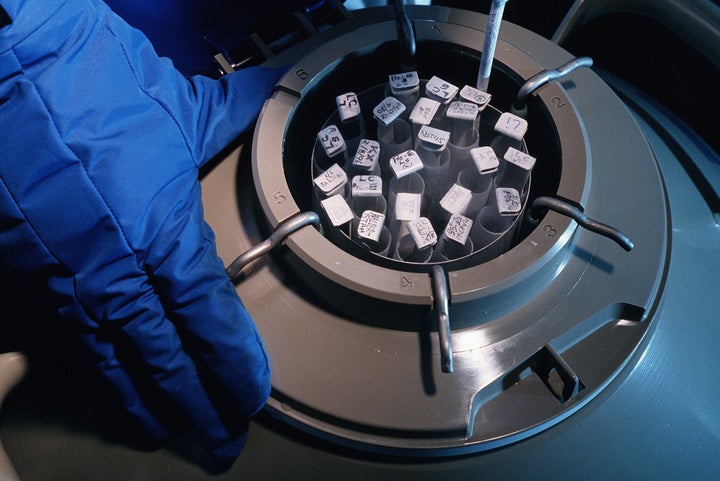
pixel 417 244
pixel 432 149
pixel 455 241
pixel 393 133
pixel 518 166
pixel 479 186
pixel 371 231
pixel 464 136
pixel 496 219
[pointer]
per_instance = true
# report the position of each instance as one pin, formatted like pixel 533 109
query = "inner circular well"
pixel 362 72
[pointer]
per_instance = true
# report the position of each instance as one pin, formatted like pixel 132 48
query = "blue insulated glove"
pixel 100 145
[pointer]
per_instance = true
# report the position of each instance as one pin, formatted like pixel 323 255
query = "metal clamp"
pixel 277 237
pixel 442 312
pixel 519 107
pixel 567 209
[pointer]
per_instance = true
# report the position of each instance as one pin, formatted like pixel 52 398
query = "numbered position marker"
pixel 511 125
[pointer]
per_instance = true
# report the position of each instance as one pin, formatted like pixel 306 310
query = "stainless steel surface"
pixel 509 315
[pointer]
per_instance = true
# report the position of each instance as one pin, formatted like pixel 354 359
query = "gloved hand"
pixel 100 144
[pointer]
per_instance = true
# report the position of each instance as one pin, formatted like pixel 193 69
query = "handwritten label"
pixel 422 232
pixel 348 106
pixel 331 180
pixel 512 126
pixel 476 96
pixel 519 158
pixel 456 199
pixel 463 111
pixel 458 228
pixel 405 163
pixel 407 206
pixel 337 210
pixel 366 185
pixel 424 111
pixel 485 160
pixel 435 137
pixel 370 225
pixel 400 82
pixel 388 110
pixel 331 140
pixel 508 201
pixel 367 155
pixel 440 90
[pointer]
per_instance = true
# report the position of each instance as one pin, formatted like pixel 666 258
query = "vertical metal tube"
pixel 491 35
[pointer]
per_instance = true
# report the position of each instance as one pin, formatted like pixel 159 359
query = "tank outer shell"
pixel 582 302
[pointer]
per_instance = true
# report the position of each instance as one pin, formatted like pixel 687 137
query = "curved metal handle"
pixel 442 312
pixel 406 32
pixel 542 78
pixel 278 236
pixel 565 208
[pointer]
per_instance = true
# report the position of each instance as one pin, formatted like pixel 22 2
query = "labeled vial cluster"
pixel 423 188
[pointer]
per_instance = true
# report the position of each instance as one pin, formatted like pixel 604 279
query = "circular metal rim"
pixel 520 264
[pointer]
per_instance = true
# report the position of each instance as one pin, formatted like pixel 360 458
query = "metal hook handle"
pixel 567 209
pixel 442 312
pixel 542 78
pixel 492 31
pixel 406 32
pixel 278 236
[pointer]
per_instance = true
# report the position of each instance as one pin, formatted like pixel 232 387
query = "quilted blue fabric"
pixel 100 145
